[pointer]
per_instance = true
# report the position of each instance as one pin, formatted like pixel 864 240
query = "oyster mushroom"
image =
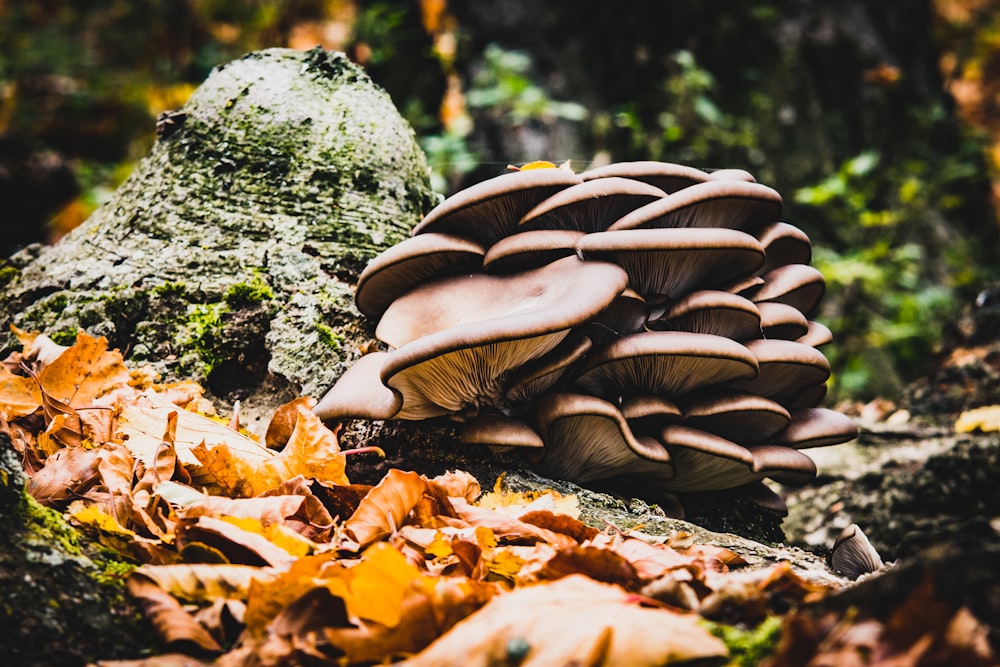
pixel 666 176
pixel 590 206
pixel 667 363
pixel 459 338
pixel 712 312
pixel 853 555
pixel 816 427
pixel 409 263
pixel 360 394
pixel 797 285
pixel 779 320
pixel 672 262
pixel 587 438
pixel 785 244
pixel 747 419
pixel 787 369
pixel 490 210
pixel 715 203
pixel 529 250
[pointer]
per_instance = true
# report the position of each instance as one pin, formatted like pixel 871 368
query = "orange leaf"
pixel 383 510
pixel 84 372
pixel 174 625
pixel 19 396
pixel 572 621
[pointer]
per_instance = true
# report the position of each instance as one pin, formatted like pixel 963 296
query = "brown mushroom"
pixel 497 430
pixel 647 414
pixel 787 369
pixel 715 203
pixel 785 244
pixel 746 419
pixel 672 262
pixel 587 438
pixel 529 250
pixel 666 176
pixel 816 334
pixel 488 211
pixel 409 263
pixel 668 363
pixel 590 206
pixel 360 394
pixel 459 338
pixel 797 285
pixel 712 312
pixel 779 320
pixel 816 427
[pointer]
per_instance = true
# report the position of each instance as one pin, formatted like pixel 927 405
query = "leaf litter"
pixel 258 550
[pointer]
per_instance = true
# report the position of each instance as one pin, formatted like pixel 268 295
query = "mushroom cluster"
pixel 641 321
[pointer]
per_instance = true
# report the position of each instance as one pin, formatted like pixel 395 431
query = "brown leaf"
pixel 84 372
pixel 383 510
pixel 19 395
pixel 67 474
pixel 238 545
pixel 574 620
pixel 174 625
pixel 598 564
pixel 506 527
pixel 283 421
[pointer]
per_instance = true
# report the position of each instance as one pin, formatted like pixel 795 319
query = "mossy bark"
pixel 62 602
pixel 229 254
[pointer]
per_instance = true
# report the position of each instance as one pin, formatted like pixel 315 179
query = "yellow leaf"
pixel 201 582
pixel 276 533
pixel 19 396
pixel 378 584
pixel 514 503
pixel 984 419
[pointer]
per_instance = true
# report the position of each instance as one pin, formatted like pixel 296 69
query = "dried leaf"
pixel 383 510
pixel 986 419
pixel 66 475
pixel 284 420
pixel 198 582
pixel 174 625
pixel 237 544
pixel 19 395
pixel 572 621
pixel 84 372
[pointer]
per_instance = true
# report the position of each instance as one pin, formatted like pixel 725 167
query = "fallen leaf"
pixel 284 420
pixel 574 620
pixel 19 395
pixel 200 582
pixel 986 419
pixel 174 625
pixel 84 372
pixel 383 509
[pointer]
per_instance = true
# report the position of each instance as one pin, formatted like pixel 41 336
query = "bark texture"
pixel 229 254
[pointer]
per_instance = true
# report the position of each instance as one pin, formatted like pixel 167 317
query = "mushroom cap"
pixel 590 206
pixel 529 250
pixel 712 312
pixel 648 413
pixel 409 263
pixel 499 431
pixel 670 363
pixel 587 438
pixel 747 419
pixel 666 176
pixel 360 394
pixel 853 555
pixel 797 285
pixel 458 339
pixel 809 397
pixel 785 244
pixel 626 315
pixel 672 262
pixel 715 203
pixel 731 175
pixel 816 335
pixel 705 462
pixel 787 369
pixel 541 374
pixel 816 427
pixel 489 210
pixel 514 305
pixel 779 320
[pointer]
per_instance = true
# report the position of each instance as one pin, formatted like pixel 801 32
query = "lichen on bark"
pixel 238 238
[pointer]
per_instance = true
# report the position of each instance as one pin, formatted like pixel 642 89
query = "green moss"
pixel 252 291
pixel 7 275
pixel 329 336
pixel 749 647
pixel 47 526
pixel 168 289
pixel 203 331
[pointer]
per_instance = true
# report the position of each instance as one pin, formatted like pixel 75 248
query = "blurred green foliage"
pixel 842 109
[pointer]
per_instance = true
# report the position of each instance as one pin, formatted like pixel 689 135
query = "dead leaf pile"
pixel 266 554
